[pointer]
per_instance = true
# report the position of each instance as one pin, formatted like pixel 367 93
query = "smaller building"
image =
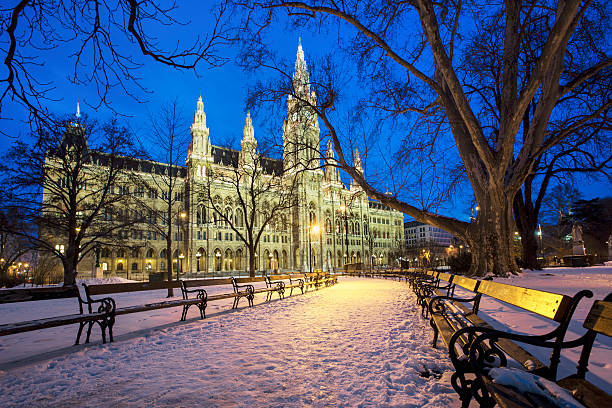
pixel 418 233
pixel 427 245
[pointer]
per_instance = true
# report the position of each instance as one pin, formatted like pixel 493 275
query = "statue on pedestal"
pixel 578 243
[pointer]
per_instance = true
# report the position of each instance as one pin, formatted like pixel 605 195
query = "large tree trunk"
pixel 251 262
pixel 490 238
pixel 527 222
pixel 169 260
pixel 70 265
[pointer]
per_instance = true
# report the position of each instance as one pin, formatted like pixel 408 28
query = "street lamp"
pixel 181 257
pixel 198 255
pixel 218 256
pixel 314 229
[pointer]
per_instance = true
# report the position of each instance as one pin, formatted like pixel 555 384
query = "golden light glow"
pixel 183 214
pixel 343 208
pixel 315 229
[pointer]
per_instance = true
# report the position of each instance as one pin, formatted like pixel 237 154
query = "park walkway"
pixel 359 343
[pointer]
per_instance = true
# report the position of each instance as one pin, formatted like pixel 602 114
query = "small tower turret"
pixel 357 165
pixel 248 143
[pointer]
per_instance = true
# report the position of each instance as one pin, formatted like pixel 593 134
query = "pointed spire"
pixel 330 150
pixel 249 131
pixel 199 117
pixel 357 161
pixel 78 111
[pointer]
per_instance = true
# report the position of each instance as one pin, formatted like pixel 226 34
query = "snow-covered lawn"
pixel 360 342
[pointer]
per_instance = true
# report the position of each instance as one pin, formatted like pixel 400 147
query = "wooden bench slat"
pixel 585 392
pixel 600 318
pixel 466 283
pixel 445 277
pixel 155 306
pixel 131 287
pixel 13 295
pixel 550 305
pixel 20 327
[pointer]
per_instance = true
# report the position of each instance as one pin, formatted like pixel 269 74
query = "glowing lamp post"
pixel 198 255
pixel 181 257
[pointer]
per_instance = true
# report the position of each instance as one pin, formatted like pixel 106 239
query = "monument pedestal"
pixel 575 260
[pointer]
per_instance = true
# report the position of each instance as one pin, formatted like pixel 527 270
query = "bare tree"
pixel 265 194
pixel 70 186
pixel 103 40
pixel 12 246
pixel 164 199
pixel 584 156
pixel 484 110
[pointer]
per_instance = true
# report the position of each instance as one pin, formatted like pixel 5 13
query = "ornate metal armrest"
pixel 107 305
pixel 437 306
pixel 201 293
pixel 250 289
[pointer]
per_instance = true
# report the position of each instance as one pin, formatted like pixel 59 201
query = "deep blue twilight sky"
pixel 223 90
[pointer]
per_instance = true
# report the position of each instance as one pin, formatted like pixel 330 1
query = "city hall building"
pixel 330 224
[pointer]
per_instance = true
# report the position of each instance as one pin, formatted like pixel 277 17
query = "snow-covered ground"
pixel 361 342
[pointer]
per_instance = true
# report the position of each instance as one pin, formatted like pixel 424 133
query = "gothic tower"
pixel 301 125
pixel 248 143
pixel 200 150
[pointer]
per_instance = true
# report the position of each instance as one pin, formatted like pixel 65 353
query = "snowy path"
pixel 359 343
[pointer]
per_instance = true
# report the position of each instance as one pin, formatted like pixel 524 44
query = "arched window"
pixel 328 227
pixel 238 218
pixel 357 228
pixel 228 216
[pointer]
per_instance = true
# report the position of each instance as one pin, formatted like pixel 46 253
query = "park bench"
pixel 276 285
pixel 495 390
pixel 200 294
pixel 107 323
pixel 459 326
pixel 243 291
pixel 295 281
pixel 440 285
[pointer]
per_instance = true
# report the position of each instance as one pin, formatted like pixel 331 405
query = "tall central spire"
pixel 301 79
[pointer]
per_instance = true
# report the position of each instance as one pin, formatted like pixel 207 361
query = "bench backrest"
pixel 194 283
pixel 278 277
pixel 31 294
pixel 446 277
pixel 599 318
pixel 551 305
pixel 466 283
pixel 130 287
